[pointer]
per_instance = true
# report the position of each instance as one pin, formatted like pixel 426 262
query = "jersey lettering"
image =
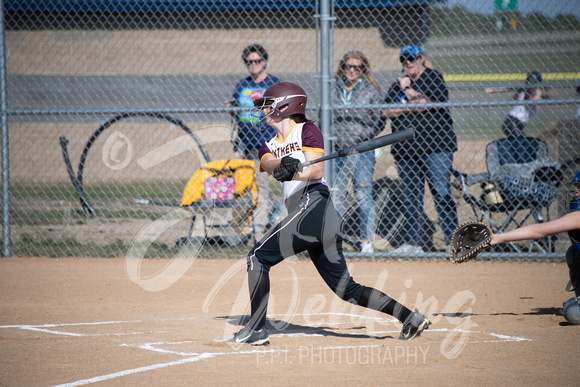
pixel 286 150
pixel 303 137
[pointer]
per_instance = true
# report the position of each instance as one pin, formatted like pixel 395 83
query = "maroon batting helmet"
pixel 280 95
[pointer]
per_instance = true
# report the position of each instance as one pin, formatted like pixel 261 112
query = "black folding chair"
pixel 520 184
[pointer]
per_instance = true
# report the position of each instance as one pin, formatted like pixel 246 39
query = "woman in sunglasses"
pixel 356 86
pixel 429 155
pixel 249 140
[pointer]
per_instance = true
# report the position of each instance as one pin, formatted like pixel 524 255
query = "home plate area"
pixel 333 339
pixel 337 328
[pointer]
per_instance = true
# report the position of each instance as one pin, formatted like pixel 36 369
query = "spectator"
pixel 355 86
pixel 429 156
pixel 519 116
pixel 250 138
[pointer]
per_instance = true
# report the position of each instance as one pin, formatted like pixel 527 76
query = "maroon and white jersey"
pixel 302 137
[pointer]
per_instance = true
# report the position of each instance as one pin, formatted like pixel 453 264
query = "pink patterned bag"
pixel 219 188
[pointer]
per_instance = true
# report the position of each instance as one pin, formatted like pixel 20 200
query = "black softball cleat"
pixel 414 325
pixel 250 336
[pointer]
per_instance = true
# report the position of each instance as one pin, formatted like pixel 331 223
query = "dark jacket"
pixel 433 127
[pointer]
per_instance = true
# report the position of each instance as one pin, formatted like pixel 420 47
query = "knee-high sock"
pixel 377 300
pixel 259 286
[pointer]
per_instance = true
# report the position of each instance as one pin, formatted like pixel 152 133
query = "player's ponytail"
pixel 299 118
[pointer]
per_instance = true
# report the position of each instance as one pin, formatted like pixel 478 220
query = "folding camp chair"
pixel 222 185
pixel 520 184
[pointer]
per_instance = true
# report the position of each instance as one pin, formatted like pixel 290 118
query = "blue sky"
pixel 549 8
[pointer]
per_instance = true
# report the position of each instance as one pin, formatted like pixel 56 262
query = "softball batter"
pixel 312 223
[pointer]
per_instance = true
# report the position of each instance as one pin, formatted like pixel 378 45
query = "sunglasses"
pixel 352 67
pixel 257 61
pixel 408 58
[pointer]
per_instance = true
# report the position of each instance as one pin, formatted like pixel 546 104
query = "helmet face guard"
pixel 257 116
pixel 284 99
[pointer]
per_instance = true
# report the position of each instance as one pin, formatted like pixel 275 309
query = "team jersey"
pixel 302 137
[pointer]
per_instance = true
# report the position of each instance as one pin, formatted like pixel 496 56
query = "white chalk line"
pixel 192 357
pixel 41 328
pixel 503 338
pixel 287 333
pixel 140 369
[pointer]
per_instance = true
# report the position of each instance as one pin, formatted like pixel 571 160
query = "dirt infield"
pixel 81 321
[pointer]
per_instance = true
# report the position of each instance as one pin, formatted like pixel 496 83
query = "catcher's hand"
pixel 287 169
pixel 468 240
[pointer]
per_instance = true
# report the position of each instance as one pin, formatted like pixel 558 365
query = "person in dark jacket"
pixel 429 155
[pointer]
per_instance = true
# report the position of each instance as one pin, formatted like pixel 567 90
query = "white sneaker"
pixel 367 247
pixel 408 249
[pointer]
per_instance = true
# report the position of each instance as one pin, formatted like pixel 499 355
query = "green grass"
pixel 28 246
pixel 112 201
pixel 58 191
pixel 549 45
pixel 136 190
pixel 457 21
pixel 501 63
pixel 46 218
pixel 66 191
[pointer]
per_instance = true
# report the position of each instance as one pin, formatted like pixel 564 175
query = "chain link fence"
pixel 117 112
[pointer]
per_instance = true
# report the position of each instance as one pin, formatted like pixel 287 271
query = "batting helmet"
pixel 571 311
pixel 574 193
pixel 534 78
pixel 281 95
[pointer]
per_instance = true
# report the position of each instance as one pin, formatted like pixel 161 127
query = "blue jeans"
pixel 360 168
pixel 436 169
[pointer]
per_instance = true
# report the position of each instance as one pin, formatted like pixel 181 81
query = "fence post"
pixel 6 246
pixel 325 81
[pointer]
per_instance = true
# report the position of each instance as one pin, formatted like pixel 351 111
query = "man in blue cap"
pixel 429 155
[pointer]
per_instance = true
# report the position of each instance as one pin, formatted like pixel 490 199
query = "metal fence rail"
pixel 138 93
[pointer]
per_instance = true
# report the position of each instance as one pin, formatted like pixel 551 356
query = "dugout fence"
pixel 69 66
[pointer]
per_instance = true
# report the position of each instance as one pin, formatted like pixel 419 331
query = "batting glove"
pixel 287 169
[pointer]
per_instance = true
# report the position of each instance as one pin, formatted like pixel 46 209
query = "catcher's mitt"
pixel 468 240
